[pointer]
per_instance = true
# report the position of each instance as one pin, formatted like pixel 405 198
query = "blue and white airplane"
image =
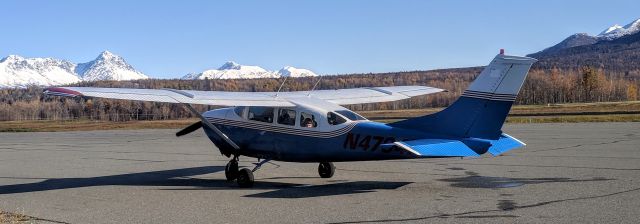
pixel 312 126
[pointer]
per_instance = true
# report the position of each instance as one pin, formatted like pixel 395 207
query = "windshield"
pixel 351 115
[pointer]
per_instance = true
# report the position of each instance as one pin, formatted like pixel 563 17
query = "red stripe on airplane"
pixel 63 90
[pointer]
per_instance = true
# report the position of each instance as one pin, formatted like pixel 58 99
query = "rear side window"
pixel 308 120
pixel 287 117
pixel 239 111
pixel 334 119
pixel 262 114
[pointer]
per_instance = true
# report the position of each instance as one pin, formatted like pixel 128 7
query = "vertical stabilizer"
pixel 482 109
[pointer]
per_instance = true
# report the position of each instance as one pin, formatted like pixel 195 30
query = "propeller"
pixel 189 129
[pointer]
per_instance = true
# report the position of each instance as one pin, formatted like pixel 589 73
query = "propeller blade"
pixel 189 129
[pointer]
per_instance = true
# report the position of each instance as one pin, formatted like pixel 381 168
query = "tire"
pixel 231 170
pixel 326 169
pixel 245 178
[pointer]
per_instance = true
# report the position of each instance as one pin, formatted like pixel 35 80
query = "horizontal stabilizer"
pixel 505 143
pixel 437 148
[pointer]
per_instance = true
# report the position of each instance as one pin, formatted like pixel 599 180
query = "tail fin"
pixel 482 109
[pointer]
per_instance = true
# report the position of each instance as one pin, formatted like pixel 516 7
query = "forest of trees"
pixel 543 86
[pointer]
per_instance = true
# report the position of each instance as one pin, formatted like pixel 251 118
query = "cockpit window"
pixel 308 120
pixel 239 111
pixel 263 114
pixel 334 119
pixel 287 116
pixel 351 115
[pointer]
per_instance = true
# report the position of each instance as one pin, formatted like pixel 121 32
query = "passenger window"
pixel 334 119
pixel 239 111
pixel 262 114
pixel 287 117
pixel 308 120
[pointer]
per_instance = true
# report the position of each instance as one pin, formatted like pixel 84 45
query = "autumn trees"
pixel 543 86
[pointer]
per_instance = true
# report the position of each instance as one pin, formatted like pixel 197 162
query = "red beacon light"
pixel 502 51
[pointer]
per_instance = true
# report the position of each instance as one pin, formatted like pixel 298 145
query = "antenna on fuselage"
pixel 279 88
pixel 314 86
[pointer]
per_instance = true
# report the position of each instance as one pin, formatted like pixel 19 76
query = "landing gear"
pixel 231 170
pixel 326 169
pixel 245 178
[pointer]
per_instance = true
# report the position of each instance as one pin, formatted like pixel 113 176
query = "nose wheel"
pixel 244 176
pixel 326 169
pixel 231 170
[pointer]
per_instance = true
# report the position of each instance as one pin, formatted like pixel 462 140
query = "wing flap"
pixel 373 94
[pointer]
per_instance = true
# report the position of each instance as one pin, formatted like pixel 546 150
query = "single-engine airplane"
pixel 312 126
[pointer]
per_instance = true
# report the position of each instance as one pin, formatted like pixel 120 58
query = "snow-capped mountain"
pixel 295 72
pixel 617 31
pixel 108 66
pixel 581 39
pixel 232 70
pixel 16 71
pixel 615 50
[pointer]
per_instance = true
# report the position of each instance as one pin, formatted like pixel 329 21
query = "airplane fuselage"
pixel 352 140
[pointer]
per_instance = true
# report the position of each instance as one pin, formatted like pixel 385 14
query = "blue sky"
pixel 171 38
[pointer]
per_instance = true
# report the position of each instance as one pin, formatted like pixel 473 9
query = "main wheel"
pixel 245 178
pixel 231 170
pixel 326 169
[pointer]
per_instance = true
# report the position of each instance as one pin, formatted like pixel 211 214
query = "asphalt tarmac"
pixel 568 173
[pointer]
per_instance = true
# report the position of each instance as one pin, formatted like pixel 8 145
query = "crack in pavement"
pixel 504 208
pixel 32 218
pixel 580 145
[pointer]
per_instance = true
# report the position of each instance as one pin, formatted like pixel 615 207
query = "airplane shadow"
pixel 308 191
pixel 182 178
pixel 152 178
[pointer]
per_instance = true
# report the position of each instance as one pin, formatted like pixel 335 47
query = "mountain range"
pixel 232 70
pixel 16 71
pixel 580 39
pixel 615 49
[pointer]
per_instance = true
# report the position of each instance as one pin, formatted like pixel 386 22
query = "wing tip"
pixel 61 91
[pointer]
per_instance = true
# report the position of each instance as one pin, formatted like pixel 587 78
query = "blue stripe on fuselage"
pixel 360 141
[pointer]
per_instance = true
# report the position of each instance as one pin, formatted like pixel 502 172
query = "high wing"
pixel 221 98
pixel 373 94
pixel 218 98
